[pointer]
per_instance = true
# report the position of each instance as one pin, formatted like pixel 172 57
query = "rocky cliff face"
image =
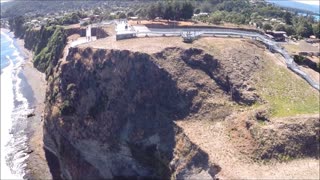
pixel 281 139
pixel 111 113
pixel 287 138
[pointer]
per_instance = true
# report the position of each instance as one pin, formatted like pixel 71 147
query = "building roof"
pixel 134 17
pixel 279 32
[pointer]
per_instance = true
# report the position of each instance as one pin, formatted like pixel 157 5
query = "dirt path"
pixel 214 139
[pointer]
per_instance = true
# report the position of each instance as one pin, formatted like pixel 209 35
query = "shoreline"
pixel 36 163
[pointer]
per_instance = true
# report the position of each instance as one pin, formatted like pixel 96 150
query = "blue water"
pixel 10 51
pixel 6 50
pixel 298 5
pixel 14 109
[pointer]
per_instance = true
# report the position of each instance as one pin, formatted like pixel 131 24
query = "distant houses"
pixel 202 14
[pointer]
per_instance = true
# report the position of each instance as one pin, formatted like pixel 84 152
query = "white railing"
pixel 230 33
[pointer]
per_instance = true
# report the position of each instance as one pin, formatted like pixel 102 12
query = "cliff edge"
pixel 116 113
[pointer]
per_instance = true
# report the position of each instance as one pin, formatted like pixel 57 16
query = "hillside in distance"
pixel 296 5
pixel 42 7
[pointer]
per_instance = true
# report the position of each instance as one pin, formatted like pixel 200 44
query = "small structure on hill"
pixel 88 33
pixel 202 14
pixel 313 39
pixel 189 37
pixel 124 31
pixel 277 35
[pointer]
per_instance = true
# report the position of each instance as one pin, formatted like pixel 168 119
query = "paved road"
pixel 272 45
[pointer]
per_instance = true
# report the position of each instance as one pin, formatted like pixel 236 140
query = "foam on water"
pixel 6 123
pixel 14 109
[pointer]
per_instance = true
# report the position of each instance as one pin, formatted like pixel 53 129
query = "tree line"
pixel 245 12
pixel 171 10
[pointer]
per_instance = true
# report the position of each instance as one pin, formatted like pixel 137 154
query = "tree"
pixel 168 12
pixel 287 18
pixel 259 24
pixel 254 15
pixel 267 26
pixel 130 14
pixel 177 10
pixel 97 11
pixel 151 13
pixel 289 30
pixel 122 16
pixel 304 29
pixel 187 10
pixel 82 14
pixel 206 7
pixel 17 26
pixel 142 12
pixel 215 17
pixel 159 9
pixel 316 30
pixel 197 11
pixel 280 27
pixel 69 19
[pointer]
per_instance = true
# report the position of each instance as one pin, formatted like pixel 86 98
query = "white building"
pixel 88 33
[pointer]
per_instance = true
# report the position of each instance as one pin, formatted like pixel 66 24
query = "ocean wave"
pixel 14 109
pixel 6 123
pixel 8 38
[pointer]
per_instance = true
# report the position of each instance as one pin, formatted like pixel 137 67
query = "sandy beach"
pixel 37 166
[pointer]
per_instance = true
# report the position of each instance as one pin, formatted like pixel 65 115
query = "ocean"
pixel 298 5
pixel 15 106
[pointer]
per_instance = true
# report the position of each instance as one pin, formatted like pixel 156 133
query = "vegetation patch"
pixel 67 108
pixel 48 57
pixel 286 93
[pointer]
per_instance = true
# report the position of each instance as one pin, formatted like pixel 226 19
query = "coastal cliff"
pixel 111 113
pixel 117 113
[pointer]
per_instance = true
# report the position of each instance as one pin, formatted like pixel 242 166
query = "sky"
pixel 312 2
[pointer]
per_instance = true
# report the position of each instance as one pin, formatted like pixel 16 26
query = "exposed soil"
pixel 232 149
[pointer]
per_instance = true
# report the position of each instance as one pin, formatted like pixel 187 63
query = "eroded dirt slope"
pixel 173 113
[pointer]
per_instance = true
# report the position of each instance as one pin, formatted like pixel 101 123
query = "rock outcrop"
pixel 111 113
pixel 281 139
pixel 287 138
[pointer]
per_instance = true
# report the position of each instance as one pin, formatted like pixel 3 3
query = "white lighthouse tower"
pixel 88 33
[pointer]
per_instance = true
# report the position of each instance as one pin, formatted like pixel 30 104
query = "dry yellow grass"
pixel 291 48
pixel 287 93
pixel 157 44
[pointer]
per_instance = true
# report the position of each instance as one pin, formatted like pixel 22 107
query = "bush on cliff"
pixel 48 57
pixel 298 59
pixel 36 40
pixel 17 26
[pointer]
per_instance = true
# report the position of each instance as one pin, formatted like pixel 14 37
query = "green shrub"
pixel 298 59
pixel 66 108
pixel 48 54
